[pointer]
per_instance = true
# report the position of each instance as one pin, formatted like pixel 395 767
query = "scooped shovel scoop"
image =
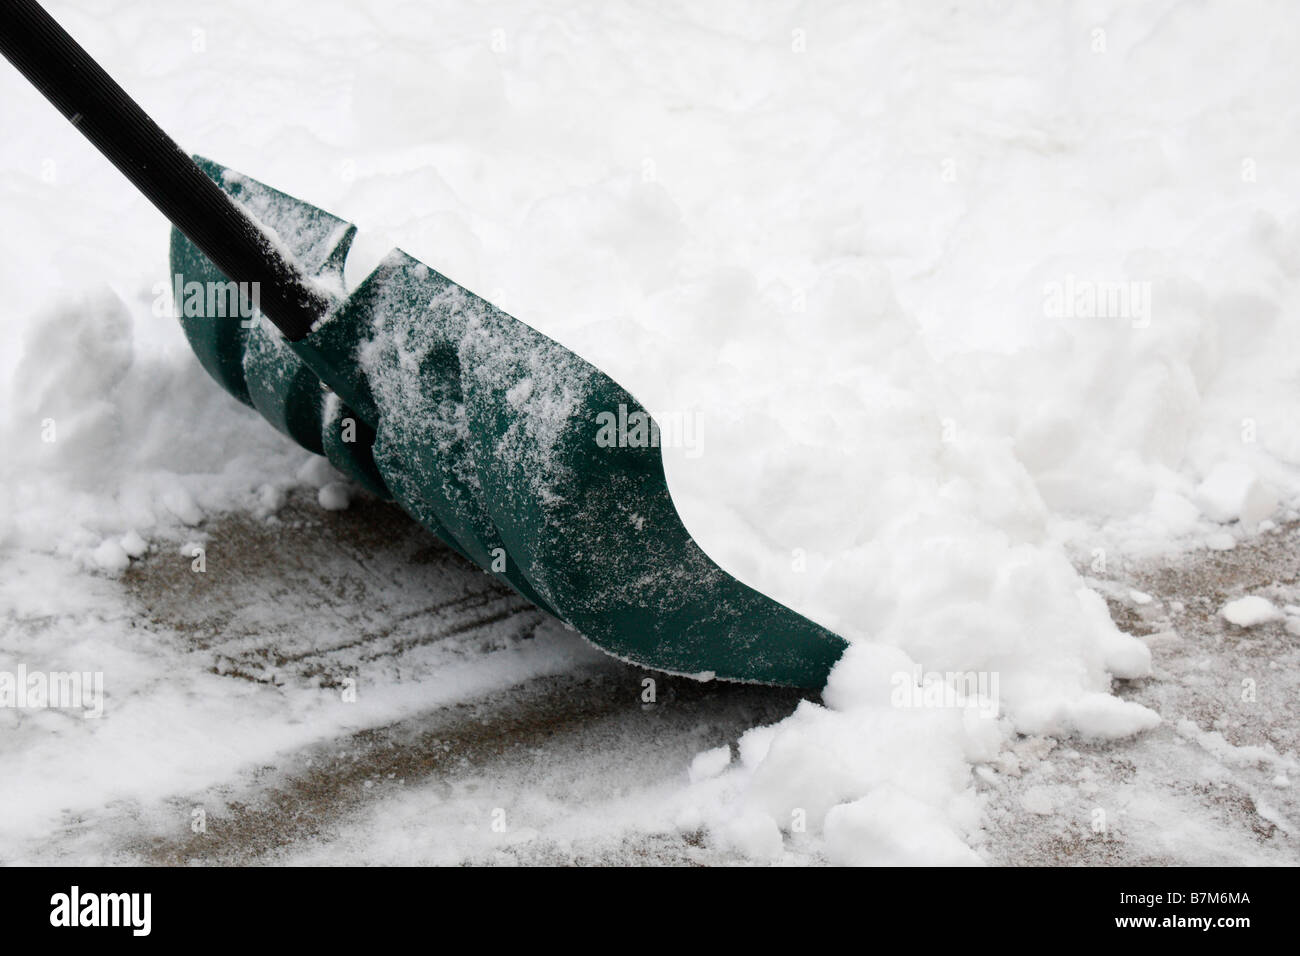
pixel 480 427
pixel 486 431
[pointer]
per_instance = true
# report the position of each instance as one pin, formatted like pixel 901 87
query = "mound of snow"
pixel 1249 611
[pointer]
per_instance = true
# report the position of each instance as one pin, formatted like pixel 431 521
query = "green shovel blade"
pixel 496 439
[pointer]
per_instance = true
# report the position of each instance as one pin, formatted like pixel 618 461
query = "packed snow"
pixel 970 303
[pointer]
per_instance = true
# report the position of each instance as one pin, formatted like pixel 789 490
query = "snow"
pixel 134 545
pixel 1233 492
pixel 889 828
pixel 1038 800
pixel 1220 541
pixel 1214 742
pixel 755 836
pixel 710 763
pixel 334 496
pixel 1250 611
pixel 960 318
pixel 1093 716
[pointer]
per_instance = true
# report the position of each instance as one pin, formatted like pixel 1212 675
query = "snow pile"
pixel 957 316
pixel 108 444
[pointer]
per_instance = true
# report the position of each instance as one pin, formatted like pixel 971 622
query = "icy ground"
pixel 986 313
pixel 473 704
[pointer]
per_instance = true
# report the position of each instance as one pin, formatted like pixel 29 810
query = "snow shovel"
pixel 480 427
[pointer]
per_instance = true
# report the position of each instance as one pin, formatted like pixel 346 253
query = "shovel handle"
pixel 115 124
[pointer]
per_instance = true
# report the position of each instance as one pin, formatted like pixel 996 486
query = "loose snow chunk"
pixel 710 763
pixel 1094 716
pixel 334 496
pixel 1249 611
pixel 1233 492
pixel 1101 716
pixel 110 556
pixel 134 545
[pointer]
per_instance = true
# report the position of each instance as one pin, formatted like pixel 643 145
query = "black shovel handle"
pixel 116 125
